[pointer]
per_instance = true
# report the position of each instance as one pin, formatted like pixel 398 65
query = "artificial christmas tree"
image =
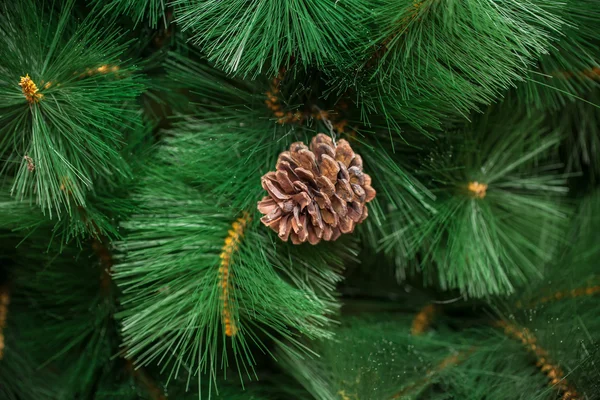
pixel 299 199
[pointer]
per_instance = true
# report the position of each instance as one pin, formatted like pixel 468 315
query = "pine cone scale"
pixel 358 191
pixel 323 201
pixel 343 174
pixel 275 191
pixel 305 175
pixel 328 217
pixel 303 199
pixel 355 211
pixel 344 153
pixel 329 167
pixel 346 225
pixel 286 167
pixel 365 214
pixel 315 215
pixel 301 187
pixel 339 206
pixel 326 187
pixel 344 190
pixel 356 176
pixel 369 192
pixel 284 181
pixel 316 193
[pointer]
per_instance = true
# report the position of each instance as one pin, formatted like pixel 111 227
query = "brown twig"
pixel 274 104
pixel 452 359
pixel 142 378
pixel 4 302
pixel 591 73
pixel 423 319
pixel 382 49
pixel 106 263
pixel 552 370
pixel 561 295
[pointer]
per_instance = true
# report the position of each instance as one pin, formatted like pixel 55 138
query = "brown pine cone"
pixel 316 194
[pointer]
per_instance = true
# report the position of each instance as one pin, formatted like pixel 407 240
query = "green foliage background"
pixel 121 184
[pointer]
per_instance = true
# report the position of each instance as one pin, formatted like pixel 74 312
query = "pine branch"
pixel 498 216
pixel 564 348
pixel 568 71
pixel 177 306
pixel 293 98
pixel 578 121
pixel 448 362
pixel 142 11
pixel 20 377
pixel 423 319
pixel 555 374
pixel 67 297
pixel 430 60
pixel 243 38
pixel 377 357
pixel 69 130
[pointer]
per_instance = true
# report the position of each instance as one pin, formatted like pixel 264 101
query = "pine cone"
pixel 316 194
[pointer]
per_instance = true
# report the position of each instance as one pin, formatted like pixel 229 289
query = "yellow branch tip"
pixel 479 189
pixel 30 90
pixel 232 241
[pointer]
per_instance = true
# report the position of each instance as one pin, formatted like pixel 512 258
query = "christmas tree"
pixel 300 199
